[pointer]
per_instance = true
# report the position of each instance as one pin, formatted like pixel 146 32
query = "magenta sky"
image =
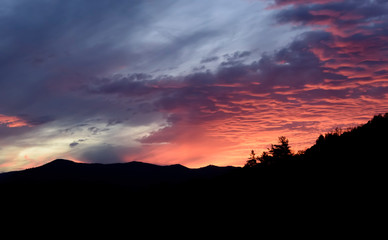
pixel 189 82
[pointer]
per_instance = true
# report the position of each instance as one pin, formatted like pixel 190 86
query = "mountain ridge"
pixel 133 175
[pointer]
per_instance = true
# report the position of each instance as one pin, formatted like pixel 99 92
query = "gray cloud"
pixel 209 59
pixel 73 144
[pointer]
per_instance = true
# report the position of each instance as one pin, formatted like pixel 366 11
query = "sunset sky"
pixel 190 82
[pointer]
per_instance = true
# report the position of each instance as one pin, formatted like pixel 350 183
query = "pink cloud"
pixel 12 121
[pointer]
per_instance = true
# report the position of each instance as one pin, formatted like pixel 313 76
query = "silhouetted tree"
pixel 265 158
pixel 282 150
pixel 252 160
pixel 320 140
pixel 276 153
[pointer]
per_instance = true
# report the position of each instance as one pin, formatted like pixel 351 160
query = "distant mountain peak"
pixel 60 160
pixel 59 163
pixel 177 166
pixel 211 166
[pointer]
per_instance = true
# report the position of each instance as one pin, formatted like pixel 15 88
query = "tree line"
pixel 276 154
pixel 346 147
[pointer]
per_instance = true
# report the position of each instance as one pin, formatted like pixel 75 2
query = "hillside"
pixel 356 148
pixel 341 164
pixel 362 146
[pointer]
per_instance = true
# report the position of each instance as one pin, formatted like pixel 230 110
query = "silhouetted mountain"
pixel 132 175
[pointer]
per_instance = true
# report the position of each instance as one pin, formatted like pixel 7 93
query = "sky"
pixel 184 82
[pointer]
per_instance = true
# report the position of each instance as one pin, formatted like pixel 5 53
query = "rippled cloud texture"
pixel 190 82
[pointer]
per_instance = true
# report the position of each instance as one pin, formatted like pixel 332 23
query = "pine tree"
pixel 282 150
pixel 252 160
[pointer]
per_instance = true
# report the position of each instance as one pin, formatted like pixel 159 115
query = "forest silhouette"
pixel 362 147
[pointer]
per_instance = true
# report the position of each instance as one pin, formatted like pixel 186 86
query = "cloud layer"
pixel 174 82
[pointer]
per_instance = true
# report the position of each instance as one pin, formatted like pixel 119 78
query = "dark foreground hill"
pixel 360 147
pixel 357 156
pixel 342 176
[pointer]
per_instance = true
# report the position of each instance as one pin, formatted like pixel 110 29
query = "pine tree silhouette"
pixel 275 155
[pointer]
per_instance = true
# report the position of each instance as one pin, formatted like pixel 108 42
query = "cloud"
pixel 12 121
pixel 73 144
pixel 101 154
pixel 209 59
pixel 76 143
pixel 235 58
pixel 96 130
pixel 301 2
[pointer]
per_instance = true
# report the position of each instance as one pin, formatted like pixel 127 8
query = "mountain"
pixel 132 176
